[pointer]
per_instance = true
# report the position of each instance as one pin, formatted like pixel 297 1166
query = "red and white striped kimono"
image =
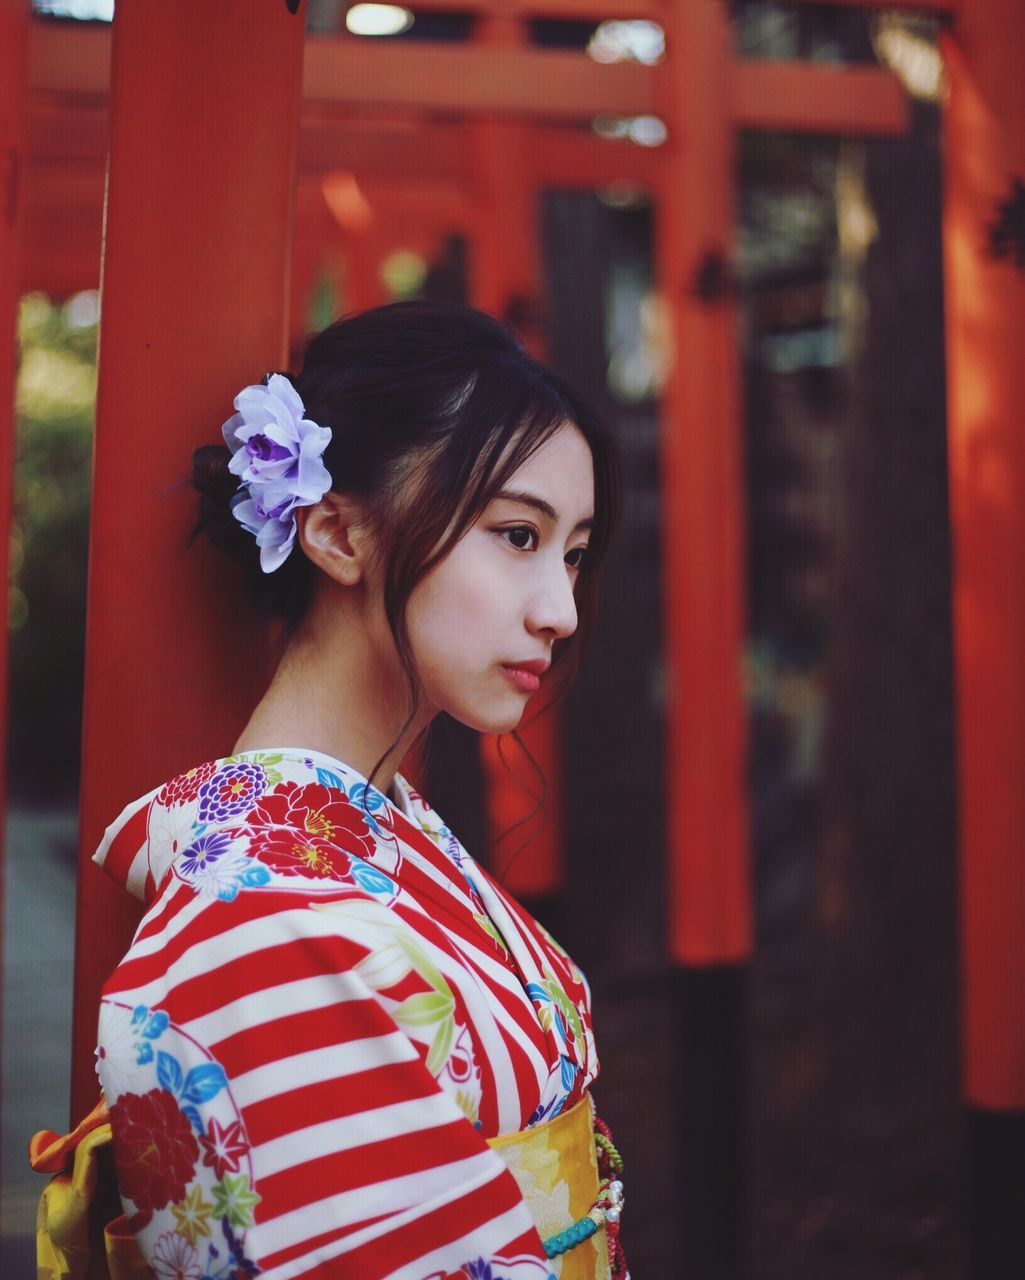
pixel 327 1009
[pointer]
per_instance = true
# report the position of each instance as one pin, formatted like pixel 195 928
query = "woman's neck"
pixel 339 690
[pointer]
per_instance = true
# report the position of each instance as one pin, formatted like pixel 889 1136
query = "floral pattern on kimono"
pixel 327 1009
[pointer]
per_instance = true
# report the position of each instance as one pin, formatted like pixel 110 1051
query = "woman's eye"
pixel 521 536
pixel 575 558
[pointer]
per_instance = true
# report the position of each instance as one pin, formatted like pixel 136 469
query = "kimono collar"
pixel 139 847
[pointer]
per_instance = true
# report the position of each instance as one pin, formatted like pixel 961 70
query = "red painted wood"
pixel 342 74
pixel 204 124
pixel 788 96
pixel 985 313
pixel 938 7
pixel 702 503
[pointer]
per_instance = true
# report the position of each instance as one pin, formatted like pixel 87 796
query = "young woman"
pixel 336 1047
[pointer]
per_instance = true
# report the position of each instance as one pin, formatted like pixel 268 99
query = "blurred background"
pixel 788 1089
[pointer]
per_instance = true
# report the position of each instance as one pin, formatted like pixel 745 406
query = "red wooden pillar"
pixel 505 279
pixel 702 505
pixel 985 148
pixel 985 313
pixel 985 323
pixel 709 896
pixel 14 22
pixel 198 233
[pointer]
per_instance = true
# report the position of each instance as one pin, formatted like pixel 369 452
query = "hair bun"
pixel 216 487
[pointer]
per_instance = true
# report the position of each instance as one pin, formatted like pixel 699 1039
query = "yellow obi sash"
pixel 80 1231
pixel 554 1164
pixel 556 1168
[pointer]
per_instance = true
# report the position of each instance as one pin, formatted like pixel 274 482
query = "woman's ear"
pixel 335 534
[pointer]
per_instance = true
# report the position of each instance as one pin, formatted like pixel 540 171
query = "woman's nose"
pixel 553 609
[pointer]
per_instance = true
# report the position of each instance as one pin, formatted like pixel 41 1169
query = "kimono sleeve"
pixel 275 1113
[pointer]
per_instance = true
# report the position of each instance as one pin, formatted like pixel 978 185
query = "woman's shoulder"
pixel 194 820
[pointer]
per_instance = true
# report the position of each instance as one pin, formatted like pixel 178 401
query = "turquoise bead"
pixel 563 1241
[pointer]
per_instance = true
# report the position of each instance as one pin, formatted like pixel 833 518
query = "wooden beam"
pixel 804 97
pixel 418 150
pixel 938 7
pixel 464 77
pixel 596 10
pixel 343 73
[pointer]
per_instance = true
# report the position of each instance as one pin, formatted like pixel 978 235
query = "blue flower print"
pixel 218 866
pixel 367 798
pixel 370 878
pixel 202 853
pixel 147 1028
pixel 199 1085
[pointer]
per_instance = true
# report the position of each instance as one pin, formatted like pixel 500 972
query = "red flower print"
pixel 308 831
pixel 223 1148
pixel 186 786
pixel 154 1150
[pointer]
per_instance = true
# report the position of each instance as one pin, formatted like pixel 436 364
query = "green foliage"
pixel 49 541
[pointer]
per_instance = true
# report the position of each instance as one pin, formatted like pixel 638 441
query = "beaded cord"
pixel 606 1210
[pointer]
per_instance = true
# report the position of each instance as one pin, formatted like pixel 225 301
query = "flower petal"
pixel 281 387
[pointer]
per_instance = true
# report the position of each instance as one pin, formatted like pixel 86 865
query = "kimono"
pixel 326 1013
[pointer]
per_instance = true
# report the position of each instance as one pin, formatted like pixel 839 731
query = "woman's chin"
pixel 495 720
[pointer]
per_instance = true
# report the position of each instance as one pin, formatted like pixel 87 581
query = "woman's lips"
pixel 524 680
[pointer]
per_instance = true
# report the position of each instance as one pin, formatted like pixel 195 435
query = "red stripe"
pixel 288 961
pixel 126 844
pixel 336 1172
pixel 170 904
pixel 214 922
pixel 336 1024
pixel 311 1243
pixel 446 914
pixel 215 919
pixel 466 1214
pixel 271 1118
pixel 421 843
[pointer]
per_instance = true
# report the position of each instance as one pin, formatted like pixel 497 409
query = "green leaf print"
pixel 422 963
pixel 567 1006
pixel 467 1105
pixel 264 758
pixel 383 967
pixel 393 950
pixel 487 924
pixel 424 1008
pixel 427 1009
pixel 441 1046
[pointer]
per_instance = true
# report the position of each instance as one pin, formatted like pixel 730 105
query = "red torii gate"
pixel 216 305
pixel 496 165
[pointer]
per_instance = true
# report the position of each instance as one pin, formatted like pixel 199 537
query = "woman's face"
pixel 483 622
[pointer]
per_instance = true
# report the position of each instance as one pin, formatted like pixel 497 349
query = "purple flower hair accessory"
pixel 277 455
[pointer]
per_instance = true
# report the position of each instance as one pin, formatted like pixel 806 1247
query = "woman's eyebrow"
pixel 539 504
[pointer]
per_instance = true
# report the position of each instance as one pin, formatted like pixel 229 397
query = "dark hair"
pixel 432 407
